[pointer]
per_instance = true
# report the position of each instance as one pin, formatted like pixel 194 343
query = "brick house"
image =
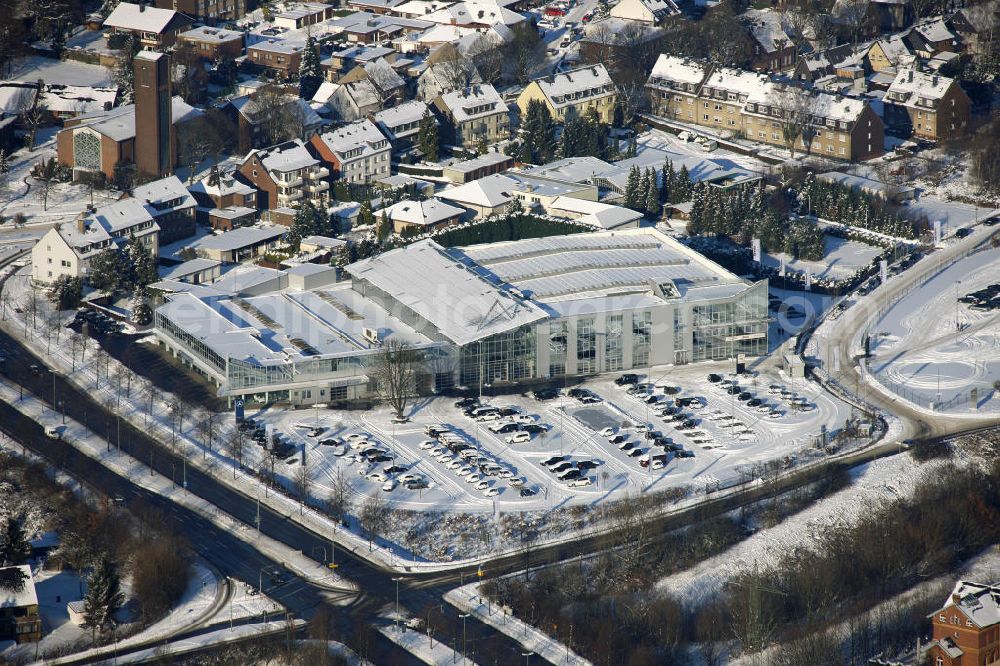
pixel 19 619
pixel 927 106
pixel 966 630
pixel 286 175
pixel 213 43
pixel 207 11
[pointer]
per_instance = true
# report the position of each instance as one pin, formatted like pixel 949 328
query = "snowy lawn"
pixel 65 72
pixel 842 259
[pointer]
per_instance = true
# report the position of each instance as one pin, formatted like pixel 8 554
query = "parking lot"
pixel 682 427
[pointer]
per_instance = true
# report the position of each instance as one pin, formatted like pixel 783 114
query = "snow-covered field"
pixel 65 72
pixel 842 259
pixel 931 348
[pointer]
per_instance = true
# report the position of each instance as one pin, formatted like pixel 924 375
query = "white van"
pixel 580 483
pixel 54 432
pixel 519 438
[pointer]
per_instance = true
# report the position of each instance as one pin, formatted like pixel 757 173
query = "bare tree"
pixel 338 504
pixel 277 114
pixel 793 108
pixel 234 443
pixel 52 325
pixel 488 59
pixel 303 482
pixel 456 71
pixel 147 393
pixel 121 376
pixel 31 304
pixel 34 117
pixel 373 517
pixel 75 342
pixel 177 407
pixel 395 369
pixel 208 428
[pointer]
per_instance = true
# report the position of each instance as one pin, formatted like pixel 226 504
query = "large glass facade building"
pixel 495 314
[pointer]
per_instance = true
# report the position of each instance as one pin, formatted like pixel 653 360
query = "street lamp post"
pixel 465 643
pixel 397 579
pixel 527 657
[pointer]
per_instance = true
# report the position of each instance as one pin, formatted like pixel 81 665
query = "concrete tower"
pixel 154 145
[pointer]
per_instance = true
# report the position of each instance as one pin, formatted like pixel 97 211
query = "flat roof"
pixel 188 268
pixel 450 295
pixel 240 238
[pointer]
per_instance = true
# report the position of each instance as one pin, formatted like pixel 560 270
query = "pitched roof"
pixel 422 213
pixel 360 135
pixel 914 86
pixel 981 603
pixel 286 156
pixel 682 70
pixel 568 87
pixel 474 102
pixel 128 16
pixel 26 597
pixel 488 192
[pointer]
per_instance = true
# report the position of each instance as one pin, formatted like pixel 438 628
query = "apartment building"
pixel 927 106
pixel 281 59
pixel 750 105
pixel 355 153
pixel 286 176
pixel 473 115
pixel 213 43
pixel 573 93
pixel 68 248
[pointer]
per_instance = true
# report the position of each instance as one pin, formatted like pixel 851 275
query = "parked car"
pixel 466 402
pixel 535 428
pixel 626 379
pixel 519 438
pixel 714 378
pixel 526 492
pixel 561 467
pixel 389 485
pixel 684 453
pixel 570 474
pixel 552 460
pixel 545 393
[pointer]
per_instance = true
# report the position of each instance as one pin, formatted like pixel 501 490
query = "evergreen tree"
pixel 384 228
pixel 632 188
pixel 107 270
pixel 304 223
pixel 142 314
pixel 14 545
pixel 538 132
pixel 310 72
pixel 103 597
pixel 66 292
pixel 696 223
pixel 652 197
pixel 4 162
pixel 139 265
pixel 428 138
pixel 667 181
pixel 684 187
pixel 342 256
pixel 365 216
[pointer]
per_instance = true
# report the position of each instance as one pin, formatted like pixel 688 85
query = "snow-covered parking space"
pixel 569 458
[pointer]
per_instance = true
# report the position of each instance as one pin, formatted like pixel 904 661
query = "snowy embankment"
pixel 882 480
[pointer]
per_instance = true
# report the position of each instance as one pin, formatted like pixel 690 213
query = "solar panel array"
pixel 260 316
pixel 569 262
pixel 342 307
pixel 492 254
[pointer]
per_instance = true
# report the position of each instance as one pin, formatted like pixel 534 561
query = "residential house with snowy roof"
pixel 68 101
pixel 221 190
pixel 354 153
pixel 303 14
pixel 279 58
pixel 286 176
pixel 375 6
pixel 473 116
pixel 447 69
pixel 252 121
pixel 477 15
pixel 750 105
pixel 213 43
pixel 210 12
pixel 966 629
pixel 344 60
pixel 573 93
pixel 19 618
pixel 68 248
pixel 931 37
pixel 482 198
pixel 927 106
pixel 976 26
pixel 421 216
pixel 355 100
pixel 773 49
pixel 155 28
pixel 365 27
pixel 171 206
pixel 650 12
pixel 890 54
pixel 401 124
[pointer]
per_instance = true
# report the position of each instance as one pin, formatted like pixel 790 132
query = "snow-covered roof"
pixel 118 124
pixel 357 139
pixel 820 104
pixel 594 213
pixel 643 10
pixel 454 298
pixel 383 75
pixel 366 23
pixel 60 98
pixel 227 184
pixel 601 265
pixel 422 213
pixel 363 53
pixel 934 30
pixel 187 268
pixel 765 26
pixel 895 48
pixel 240 237
pixel 981 603
pixel 16 97
pixel 681 70
pixel 981 17
pixel 322 241
pixel 210 35
pixel 739 81
pixel 325 91
pixel 576 84
pixel 417 8
pixel 475 13
pixel 361 93
pixel 26 597
pixel 444 34
pixel 914 87
pixel 474 102
pixel 287 156
pixel 282 46
pixel 487 192
pixel 128 16
pixel 398 121
pixel 162 195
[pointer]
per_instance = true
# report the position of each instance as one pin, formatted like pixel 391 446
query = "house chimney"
pixel 81 223
pixel 934 81
pixel 142 7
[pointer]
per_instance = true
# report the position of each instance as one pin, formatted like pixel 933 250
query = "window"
pixel 86 151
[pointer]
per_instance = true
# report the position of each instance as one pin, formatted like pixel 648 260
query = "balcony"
pixel 316 188
pixel 288 198
pixel 319 172
pixel 294 182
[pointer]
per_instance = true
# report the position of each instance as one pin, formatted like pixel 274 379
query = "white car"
pixel 608 432
pixel 465 471
pixel 377 476
pixel 389 485
pixel 438 450
pixel 444 458
pixel 482 485
pixel 580 483
pixel 427 444
pixel 774 414
pixel 519 438
pixel 492 416
pixel 356 436
pixel 505 473
pixel 657 464
pixel 454 464
pixel 340 451
pixel 473 478
pixel 491 492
